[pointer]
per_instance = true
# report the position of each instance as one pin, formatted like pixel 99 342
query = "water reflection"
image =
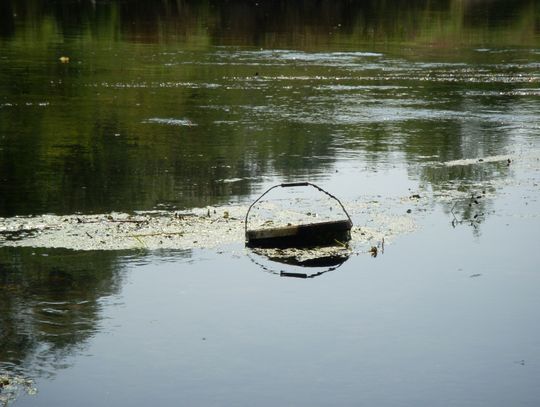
pixel 51 305
pixel 181 104
pixel 473 184
pixel 52 302
pixel 441 22
pixel 303 264
pixel 149 112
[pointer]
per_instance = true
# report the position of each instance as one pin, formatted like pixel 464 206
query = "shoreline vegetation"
pixel 342 24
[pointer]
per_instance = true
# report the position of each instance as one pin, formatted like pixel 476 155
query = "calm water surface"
pixel 196 104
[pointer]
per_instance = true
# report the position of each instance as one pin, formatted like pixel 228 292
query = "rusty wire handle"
pixel 289 185
pixel 294 184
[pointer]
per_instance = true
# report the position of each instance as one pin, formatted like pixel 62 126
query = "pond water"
pixel 133 139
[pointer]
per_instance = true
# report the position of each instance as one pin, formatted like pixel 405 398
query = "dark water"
pixel 186 104
pixel 196 104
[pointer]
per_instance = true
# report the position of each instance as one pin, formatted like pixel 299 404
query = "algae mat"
pixel 377 219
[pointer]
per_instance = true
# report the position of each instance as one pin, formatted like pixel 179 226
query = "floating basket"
pixel 302 235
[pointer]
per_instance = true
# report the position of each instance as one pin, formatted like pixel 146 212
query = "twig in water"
pixel 127 221
pixel 475 221
pixel 157 234
pixel 138 239
pixel 344 245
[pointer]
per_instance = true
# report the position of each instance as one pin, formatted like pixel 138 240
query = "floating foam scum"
pixel 117 231
pixel 302 255
pixel 200 228
pixel 11 386
pixel 362 241
pixel 524 159
pixel 524 164
pixel 378 220
pixel 471 161
pixel 170 121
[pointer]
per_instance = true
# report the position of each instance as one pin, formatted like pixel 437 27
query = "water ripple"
pixel 170 121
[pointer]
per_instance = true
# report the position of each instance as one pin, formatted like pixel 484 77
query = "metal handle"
pixel 294 184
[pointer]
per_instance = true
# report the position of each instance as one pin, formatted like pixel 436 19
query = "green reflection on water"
pixel 186 104
pixel 277 23
pixel 51 304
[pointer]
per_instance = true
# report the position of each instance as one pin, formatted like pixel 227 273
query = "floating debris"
pixel 171 121
pixel 118 231
pixel 484 160
pixel 205 228
pixel 11 387
pixel 380 218
pixel 308 234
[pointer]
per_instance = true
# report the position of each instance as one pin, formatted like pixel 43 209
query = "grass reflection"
pixel 442 23
pixel 102 132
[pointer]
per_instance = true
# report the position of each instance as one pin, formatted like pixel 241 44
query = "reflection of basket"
pixel 325 233
pixel 298 268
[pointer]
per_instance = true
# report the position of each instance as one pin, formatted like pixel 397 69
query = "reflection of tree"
pixel 469 138
pixel 91 148
pixel 268 22
pixel 7 25
pixel 470 211
pixel 466 189
pixel 50 304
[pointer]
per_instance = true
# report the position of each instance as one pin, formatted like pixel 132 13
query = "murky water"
pixel 133 139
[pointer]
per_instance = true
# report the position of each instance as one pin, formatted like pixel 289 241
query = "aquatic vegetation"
pixel 199 228
pixel 12 385
pixel 376 219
